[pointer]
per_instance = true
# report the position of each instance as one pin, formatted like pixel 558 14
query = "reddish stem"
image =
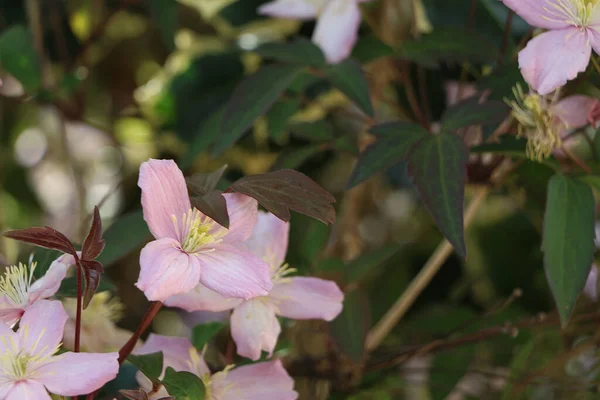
pixel 78 314
pixel 146 321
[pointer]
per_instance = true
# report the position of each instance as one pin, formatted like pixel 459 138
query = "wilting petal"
pixel 27 390
pixel 292 9
pixel 574 111
pixel 49 284
pixel 254 327
pixel 242 212
pixel 269 239
pixel 553 58
pixel 543 14
pixel 233 272
pixel 164 196
pixel 260 381
pixel 202 298
pixel 337 29
pixel 177 353
pixel 42 326
pixel 307 298
pixel 71 374
pixel 166 271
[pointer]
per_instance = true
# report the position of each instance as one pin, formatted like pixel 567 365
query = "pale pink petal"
pixel 71 374
pixel 5 387
pixel 27 390
pixel 269 239
pixel 292 9
pixel 6 336
pixel 202 298
pixel 164 196
pixel 234 272
pixel 337 29
pixel 543 13
pixel 307 298
pixel 41 327
pixel 574 111
pixel 242 212
pixel 9 312
pixel 254 328
pixel 49 284
pixel 260 381
pixel 553 58
pixel 176 353
pixel 591 284
pixel 166 271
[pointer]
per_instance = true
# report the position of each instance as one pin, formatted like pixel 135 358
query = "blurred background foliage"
pixel 92 88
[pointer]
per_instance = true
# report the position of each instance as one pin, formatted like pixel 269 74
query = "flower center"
pixel 18 364
pixel 16 282
pixel 577 12
pixel 198 231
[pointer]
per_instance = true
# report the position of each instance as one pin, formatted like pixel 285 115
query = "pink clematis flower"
pixel 267 380
pixel 190 247
pixel 554 57
pixel 30 369
pixel 254 324
pixel 577 111
pixel 19 290
pixel 337 24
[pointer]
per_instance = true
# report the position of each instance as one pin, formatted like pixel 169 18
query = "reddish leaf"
pixel 137 394
pixel 93 244
pixel 285 190
pixel 44 237
pixel 213 204
pixel 91 273
pixel 202 184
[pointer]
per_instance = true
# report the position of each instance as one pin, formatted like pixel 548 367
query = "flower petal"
pixel 574 111
pixel 9 313
pixel 266 380
pixel 551 14
pixel 71 374
pixel 202 298
pixel 166 271
pixel 27 390
pixel 269 239
pixel 292 9
pixel 49 284
pixel 591 284
pixel 307 298
pixel 177 353
pixel 41 328
pixel 554 57
pixel 242 212
pixel 233 272
pixel 254 327
pixel 337 29
pixel 164 195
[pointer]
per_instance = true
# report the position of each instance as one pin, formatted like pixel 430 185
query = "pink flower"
pixel 30 369
pixel 18 290
pixel 260 381
pixel 577 111
pixel 190 246
pixel 254 324
pixel 337 24
pixel 554 57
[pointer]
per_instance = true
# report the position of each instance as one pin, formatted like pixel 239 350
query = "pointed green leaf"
pixel 183 385
pixel 203 333
pixel 301 51
pixel 126 234
pixel 364 264
pixel 251 99
pixel 350 328
pixel 19 58
pixel 568 240
pixel 278 116
pixel 370 48
pixel 207 134
pixel 166 13
pixel 150 365
pixel 437 165
pixel 471 112
pixel 349 78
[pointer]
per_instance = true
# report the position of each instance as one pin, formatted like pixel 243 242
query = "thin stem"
pixel 407 299
pixel 79 309
pixel 506 36
pixel 412 98
pixel 144 324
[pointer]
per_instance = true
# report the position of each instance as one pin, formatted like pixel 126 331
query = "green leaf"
pixel 448 368
pixel 301 51
pixel 518 367
pixel 364 264
pixel 319 131
pixel 251 99
pixel 597 145
pixel 471 112
pixel 448 45
pixel 370 48
pixel 279 115
pixel 68 287
pixel 437 165
pixel 166 13
pixel 150 365
pixel 203 333
pixel 396 139
pixel 295 158
pixel 568 240
pixel 19 58
pixel 43 259
pixel 183 385
pixel 123 236
pixel 507 145
pixel 349 78
pixel 350 328
pixel 208 133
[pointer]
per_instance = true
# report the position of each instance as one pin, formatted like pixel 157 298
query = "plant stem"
pixel 144 324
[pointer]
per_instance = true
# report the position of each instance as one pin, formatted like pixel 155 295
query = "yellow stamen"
pixel 16 282
pixel 197 232
pixel 576 12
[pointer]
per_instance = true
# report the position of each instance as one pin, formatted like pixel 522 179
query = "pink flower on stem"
pixel 554 57
pixel 337 22
pixel 19 290
pixel 190 247
pixel 267 380
pixel 577 111
pixel 254 324
pixel 29 367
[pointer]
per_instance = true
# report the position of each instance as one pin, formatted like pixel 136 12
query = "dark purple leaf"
pixel 285 190
pixel 213 204
pixel 44 237
pixel 93 244
pixel 201 184
pixel 91 273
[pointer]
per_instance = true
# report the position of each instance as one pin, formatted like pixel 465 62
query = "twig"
pixel 406 300
pixel 506 36
pixel 410 94
pixel 144 324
